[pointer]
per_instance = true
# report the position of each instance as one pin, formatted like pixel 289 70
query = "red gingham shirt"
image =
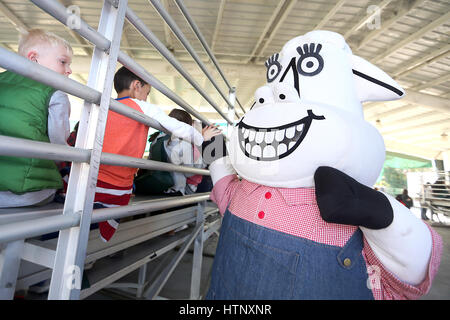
pixel 295 212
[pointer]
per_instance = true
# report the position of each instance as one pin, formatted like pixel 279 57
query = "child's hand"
pixel 209 132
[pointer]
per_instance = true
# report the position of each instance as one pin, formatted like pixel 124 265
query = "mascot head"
pixel 309 114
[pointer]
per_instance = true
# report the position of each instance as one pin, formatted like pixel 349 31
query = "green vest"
pixel 24 114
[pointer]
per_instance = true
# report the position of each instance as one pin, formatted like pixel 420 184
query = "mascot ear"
pixel 372 83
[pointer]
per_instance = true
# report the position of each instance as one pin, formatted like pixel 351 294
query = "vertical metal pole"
pixel 198 253
pixel 10 256
pixel 72 243
pixel 141 280
pixel 231 111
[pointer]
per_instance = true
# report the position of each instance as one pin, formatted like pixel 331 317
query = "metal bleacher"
pixel 436 196
pixel 76 253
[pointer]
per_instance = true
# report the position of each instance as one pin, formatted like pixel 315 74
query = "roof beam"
pixel 389 113
pixel 79 78
pixel 365 19
pixel 205 85
pixel 124 41
pixel 419 63
pixel 18 24
pixel 265 31
pixel 79 39
pixel 427 137
pixel 423 127
pixel 406 121
pixel 406 148
pixel 153 97
pixel 167 32
pixel 430 84
pixel 370 106
pixel 427 100
pixel 283 13
pixel 406 7
pixel 218 23
pixel 413 37
pixel 330 13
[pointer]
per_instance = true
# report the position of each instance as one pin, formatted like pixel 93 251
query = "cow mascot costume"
pixel 300 217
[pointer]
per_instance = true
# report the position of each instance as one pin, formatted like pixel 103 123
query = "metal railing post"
pixel 10 255
pixel 231 110
pixel 198 253
pixel 72 243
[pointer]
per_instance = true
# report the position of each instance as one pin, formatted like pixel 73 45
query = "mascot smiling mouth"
pixel 268 144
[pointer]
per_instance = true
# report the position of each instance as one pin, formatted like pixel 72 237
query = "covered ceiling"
pixel 411 43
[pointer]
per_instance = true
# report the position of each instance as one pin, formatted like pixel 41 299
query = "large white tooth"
pixel 279 135
pixel 246 133
pixel 259 137
pixel 251 137
pixel 269 152
pixel 300 127
pixel 290 132
pixel 256 151
pixel 248 147
pixel 291 144
pixel 269 136
pixel 281 148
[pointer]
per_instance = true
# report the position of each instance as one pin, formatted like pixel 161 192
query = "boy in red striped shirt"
pixel 128 137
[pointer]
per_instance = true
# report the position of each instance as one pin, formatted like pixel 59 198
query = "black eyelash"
pixel 273 61
pixel 311 51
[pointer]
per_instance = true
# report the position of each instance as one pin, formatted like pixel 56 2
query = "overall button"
pixel 268 195
pixel 347 262
pixel 261 214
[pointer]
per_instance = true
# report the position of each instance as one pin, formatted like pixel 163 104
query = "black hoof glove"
pixel 214 149
pixel 342 199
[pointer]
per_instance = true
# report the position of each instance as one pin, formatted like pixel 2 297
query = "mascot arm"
pixel 225 182
pixel 220 168
pixel 401 242
pixel 404 247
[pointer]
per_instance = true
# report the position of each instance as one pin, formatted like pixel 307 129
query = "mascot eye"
pixel 273 67
pixel 310 62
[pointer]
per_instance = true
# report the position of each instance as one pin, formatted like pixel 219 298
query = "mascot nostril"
pixel 300 217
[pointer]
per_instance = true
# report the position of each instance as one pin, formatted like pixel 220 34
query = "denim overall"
pixel 253 262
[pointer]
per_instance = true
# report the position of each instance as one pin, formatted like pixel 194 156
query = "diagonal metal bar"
pixel 204 43
pixel 159 282
pixel 177 31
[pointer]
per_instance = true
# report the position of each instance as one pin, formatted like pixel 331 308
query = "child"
pixel 31 110
pixel 128 137
pixel 181 152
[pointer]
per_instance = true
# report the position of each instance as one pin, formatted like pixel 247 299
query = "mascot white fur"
pixel 302 221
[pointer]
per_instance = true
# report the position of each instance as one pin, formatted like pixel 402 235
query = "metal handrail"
pixel 176 30
pixel 205 45
pixel 20 65
pixel 58 11
pixel 27 229
pixel 10 146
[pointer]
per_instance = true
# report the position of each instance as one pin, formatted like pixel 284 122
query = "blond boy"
pixel 31 110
